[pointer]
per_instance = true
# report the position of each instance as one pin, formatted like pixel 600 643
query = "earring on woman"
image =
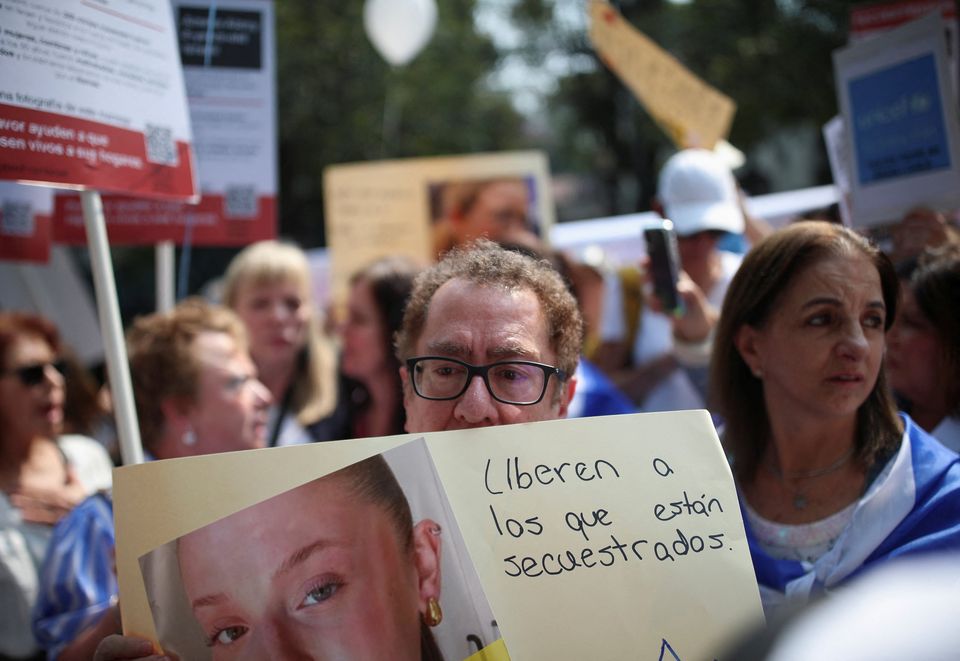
pixel 434 614
pixel 189 437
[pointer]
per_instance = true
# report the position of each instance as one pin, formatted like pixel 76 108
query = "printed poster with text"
pixel 91 97
pixel 595 538
pixel 901 121
pixel 227 49
pixel 25 222
pixel 422 207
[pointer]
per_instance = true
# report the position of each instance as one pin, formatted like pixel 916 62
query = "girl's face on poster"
pixel 316 572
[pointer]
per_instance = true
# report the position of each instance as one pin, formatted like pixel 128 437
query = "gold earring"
pixel 434 614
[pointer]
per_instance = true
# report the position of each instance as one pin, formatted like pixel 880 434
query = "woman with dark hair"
pixel 923 346
pixel 43 475
pixel 831 479
pixel 378 295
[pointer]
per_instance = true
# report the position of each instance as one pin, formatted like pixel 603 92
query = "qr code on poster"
pixel 160 146
pixel 17 219
pixel 241 202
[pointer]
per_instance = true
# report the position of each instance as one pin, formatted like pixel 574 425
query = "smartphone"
pixel 664 265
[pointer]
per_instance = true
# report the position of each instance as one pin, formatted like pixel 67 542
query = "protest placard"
pixel 227 50
pixel 691 112
pixel 631 522
pixel 25 213
pixel 410 206
pixel 345 538
pixel 92 97
pixel 902 123
pixel 869 20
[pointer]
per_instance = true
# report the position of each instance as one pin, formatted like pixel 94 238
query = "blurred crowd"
pixel 831 368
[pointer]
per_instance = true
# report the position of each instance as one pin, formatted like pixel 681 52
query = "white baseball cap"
pixel 698 193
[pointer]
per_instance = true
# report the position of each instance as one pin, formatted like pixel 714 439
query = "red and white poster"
pixel 227 52
pixel 25 222
pixel 869 20
pixel 92 97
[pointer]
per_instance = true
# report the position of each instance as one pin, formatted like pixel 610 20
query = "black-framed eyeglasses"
pixel 32 375
pixel 520 382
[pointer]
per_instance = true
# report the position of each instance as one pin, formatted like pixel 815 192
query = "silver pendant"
pixel 800 501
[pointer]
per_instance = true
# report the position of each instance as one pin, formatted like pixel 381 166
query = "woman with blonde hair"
pixel 268 286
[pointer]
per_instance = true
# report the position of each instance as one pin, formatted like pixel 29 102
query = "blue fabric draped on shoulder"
pixel 913 507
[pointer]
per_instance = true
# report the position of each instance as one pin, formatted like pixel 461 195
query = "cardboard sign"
pixel 631 523
pixel 229 76
pixel 92 97
pixel 691 112
pixel 400 207
pixel 25 222
pixel 901 121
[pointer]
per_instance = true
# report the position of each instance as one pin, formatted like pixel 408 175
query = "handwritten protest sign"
pixel 691 112
pixel 92 97
pixel 398 207
pixel 630 522
pixel 902 123
pixel 227 51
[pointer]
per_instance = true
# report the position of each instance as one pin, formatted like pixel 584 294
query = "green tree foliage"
pixel 773 57
pixel 334 88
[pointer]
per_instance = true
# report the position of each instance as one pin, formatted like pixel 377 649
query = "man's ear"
pixel 566 396
pixel 426 550
pixel 746 342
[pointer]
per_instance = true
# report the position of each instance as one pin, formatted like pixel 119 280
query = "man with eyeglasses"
pixel 489 337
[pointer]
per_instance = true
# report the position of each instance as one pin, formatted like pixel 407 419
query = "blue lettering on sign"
pixel 898 125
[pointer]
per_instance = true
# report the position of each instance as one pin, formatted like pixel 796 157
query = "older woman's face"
pixel 277 317
pixel 820 351
pixel 230 410
pixel 314 573
pixel 914 353
pixel 30 410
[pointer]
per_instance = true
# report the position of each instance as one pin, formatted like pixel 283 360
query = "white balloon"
pixel 399 29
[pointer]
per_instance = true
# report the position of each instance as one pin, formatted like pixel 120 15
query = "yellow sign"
pixel 690 111
pixel 400 207
pixel 495 652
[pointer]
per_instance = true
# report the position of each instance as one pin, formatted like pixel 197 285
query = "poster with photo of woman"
pixel 364 562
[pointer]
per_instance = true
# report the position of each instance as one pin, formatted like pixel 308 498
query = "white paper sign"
pixel 902 122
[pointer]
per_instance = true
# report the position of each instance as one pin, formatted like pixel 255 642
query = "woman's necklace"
pixel 800 500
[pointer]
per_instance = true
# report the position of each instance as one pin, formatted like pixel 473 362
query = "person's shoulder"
pixel 95 512
pixel 90 460
pixel 929 454
pixel 948 432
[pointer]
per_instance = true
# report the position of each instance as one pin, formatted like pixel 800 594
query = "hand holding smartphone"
pixel 664 265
